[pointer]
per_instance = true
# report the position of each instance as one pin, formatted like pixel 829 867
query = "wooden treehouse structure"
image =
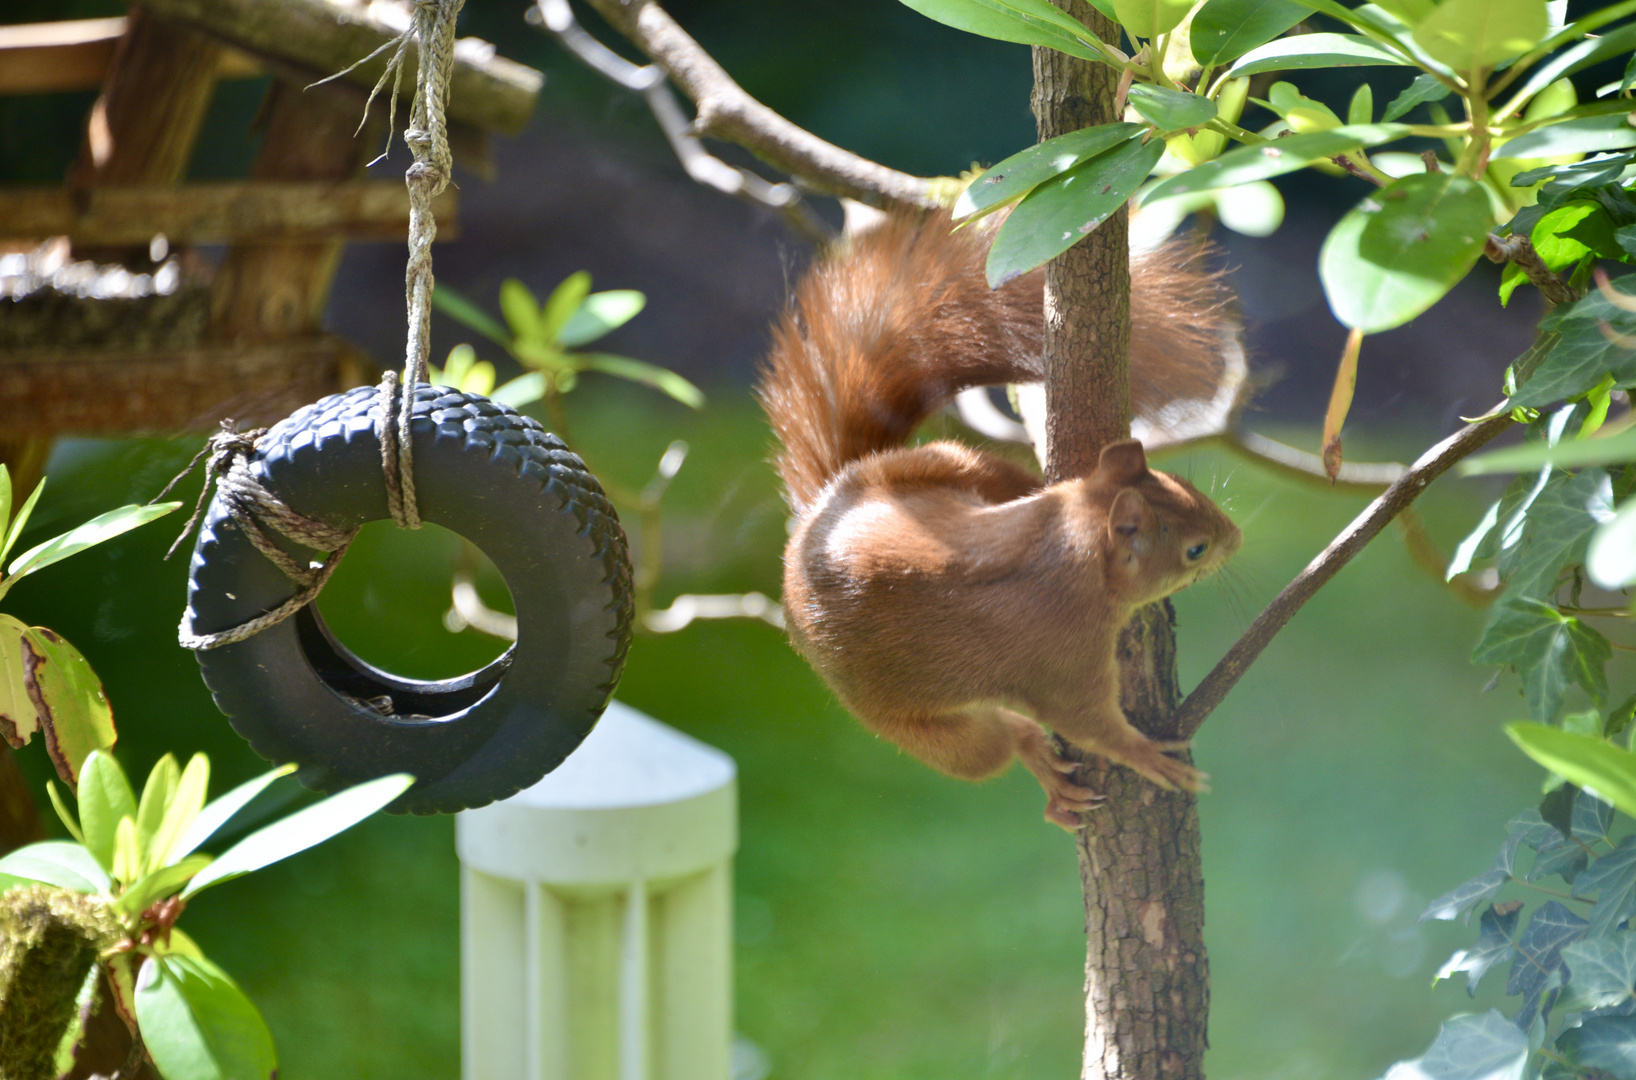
pixel 116 316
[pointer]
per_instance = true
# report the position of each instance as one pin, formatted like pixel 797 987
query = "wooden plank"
pixel 326 36
pixel 52 392
pixel 39 58
pixel 219 213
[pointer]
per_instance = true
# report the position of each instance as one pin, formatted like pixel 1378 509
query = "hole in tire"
pixel 390 600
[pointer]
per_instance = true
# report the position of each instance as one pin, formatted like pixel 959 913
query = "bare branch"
pixel 704 167
pixel 1520 250
pixel 1299 465
pixel 726 112
pixel 1364 528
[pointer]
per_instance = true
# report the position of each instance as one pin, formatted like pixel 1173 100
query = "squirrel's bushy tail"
pixel 878 337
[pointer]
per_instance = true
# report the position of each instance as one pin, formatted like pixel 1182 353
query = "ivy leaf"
pixel 1247 164
pixel 1539 956
pixel 1020 173
pixel 1485 1046
pixel 1466 550
pixel 1062 211
pixel 1610 557
pixel 1603 970
pixel 1581 356
pixel 1401 249
pixel 1424 89
pixel 1552 853
pixel 1467 34
pixel 1548 650
pixel 1171 110
pixel 1557 809
pixel 1306 51
pixel 1606 1044
pixel 1496 943
pixel 1584 135
pixel 1613 878
pixel 1581 759
pixel 1223 30
pixel 1559 527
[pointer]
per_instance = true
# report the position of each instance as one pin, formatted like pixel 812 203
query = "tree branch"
pixel 1520 250
pixel 726 112
pixel 1364 528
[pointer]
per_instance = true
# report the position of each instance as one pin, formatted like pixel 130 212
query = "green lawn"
pixel 892 923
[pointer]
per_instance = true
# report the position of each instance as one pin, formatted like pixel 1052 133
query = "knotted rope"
pixel 254 508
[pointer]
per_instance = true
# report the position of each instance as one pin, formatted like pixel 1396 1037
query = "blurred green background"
pixel 891 922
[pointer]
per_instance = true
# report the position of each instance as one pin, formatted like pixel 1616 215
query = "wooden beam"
pixel 39 58
pixel 112 392
pixel 230 212
pixel 327 36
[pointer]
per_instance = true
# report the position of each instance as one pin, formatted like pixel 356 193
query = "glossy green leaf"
pixel 154 802
pixel 19 719
pixel 301 830
pixel 1579 55
pixel 1549 650
pixel 1570 454
pixel 5 500
pixel 521 311
pixel 69 701
pixel 104 798
pixel 1466 550
pixel 1585 135
pixel 1361 110
pixel 565 299
pixel 1150 18
pixel 990 19
pixel 1610 558
pixel 600 314
pixel 93 532
pixel 1425 88
pixel 1586 761
pixel 219 811
pixel 127 853
pixel 1577 228
pixel 638 371
pixel 1224 30
pixel 182 811
pixel 1409 11
pixel 1059 213
pixel 1306 51
pixel 159 884
pixel 1265 160
pixel 198 1025
pixel 1558 527
pixel 19 522
pixel 468 314
pixel 1303 114
pixel 523 390
pixel 1020 173
pixel 1401 249
pixel 1467 34
pixel 64 815
pixel 57 862
pixel 1171 110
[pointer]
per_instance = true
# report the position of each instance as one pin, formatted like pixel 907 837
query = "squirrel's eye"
pixel 1197 551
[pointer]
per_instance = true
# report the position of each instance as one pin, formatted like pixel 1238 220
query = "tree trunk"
pixel 1147 985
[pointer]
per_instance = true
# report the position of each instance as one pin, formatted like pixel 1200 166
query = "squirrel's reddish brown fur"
pixel 953 602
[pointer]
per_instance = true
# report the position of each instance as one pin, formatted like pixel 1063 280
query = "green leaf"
pixel 182 811
pixel 1059 213
pixel 1264 160
pixel 20 522
pixel 1583 760
pixel 1601 1045
pixel 1459 901
pixel 152 806
pixel 1401 249
pixel 104 798
pixel 1468 34
pixel 217 813
pixel 1307 51
pixel 1549 651
pixel 67 817
pixel 58 862
pixel 1577 228
pixel 1539 957
pixel 1585 135
pixel 1361 110
pixel 1582 54
pixel 1301 113
pixel 1571 454
pixel 69 702
pixel 1223 30
pixel 197 1023
pixel 523 390
pixel 93 532
pixel 1602 969
pixel 1171 110
pixel 1003 23
pixel 19 720
pixel 1487 1046
pixel 1466 550
pixel 1496 943
pixel 301 830
pixel 638 371
pixel 1425 88
pixel 1577 355
pixel 1610 558
pixel 1611 879
pixel 522 312
pixel 468 314
pixel 600 314
pixel 560 306
pixel 161 883
pixel 1020 173
pixel 127 853
pixel 1559 526
pixel 1150 18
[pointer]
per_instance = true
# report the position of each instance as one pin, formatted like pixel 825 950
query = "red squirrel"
pixel 952 600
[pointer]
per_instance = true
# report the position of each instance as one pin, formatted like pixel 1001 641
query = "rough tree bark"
pixel 1147 986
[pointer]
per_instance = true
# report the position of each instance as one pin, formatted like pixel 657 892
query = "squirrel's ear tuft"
pixel 1128 516
pixel 1123 462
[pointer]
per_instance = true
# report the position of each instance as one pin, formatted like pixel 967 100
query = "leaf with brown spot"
pixel 17 717
pixel 69 704
pixel 1340 403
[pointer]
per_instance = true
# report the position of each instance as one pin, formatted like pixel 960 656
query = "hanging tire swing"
pixel 409 453
pixel 501 481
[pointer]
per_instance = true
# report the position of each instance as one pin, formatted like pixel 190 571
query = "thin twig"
pixel 557 17
pixel 726 112
pixel 1364 528
pixel 1520 250
pixel 1424 553
pixel 1359 476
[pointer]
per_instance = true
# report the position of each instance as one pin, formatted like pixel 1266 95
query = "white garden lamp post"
pixel 596 914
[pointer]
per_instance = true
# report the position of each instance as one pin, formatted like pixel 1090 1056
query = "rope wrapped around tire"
pixel 498 479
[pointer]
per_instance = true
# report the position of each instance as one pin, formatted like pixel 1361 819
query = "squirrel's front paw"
pixel 1151 760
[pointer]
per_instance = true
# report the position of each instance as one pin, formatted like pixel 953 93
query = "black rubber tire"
pixel 498 479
